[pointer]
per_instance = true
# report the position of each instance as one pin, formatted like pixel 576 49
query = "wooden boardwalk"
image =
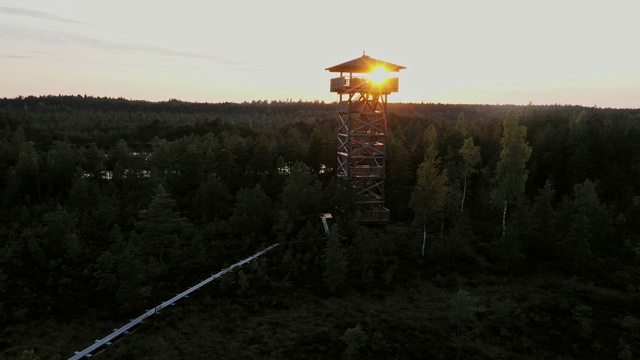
pixel 100 345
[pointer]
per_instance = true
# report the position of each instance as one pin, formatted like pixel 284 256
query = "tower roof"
pixel 364 64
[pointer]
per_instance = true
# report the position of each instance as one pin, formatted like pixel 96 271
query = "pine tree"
pixel 398 178
pixel 212 198
pixel 587 222
pixel 578 144
pixel 295 146
pixel 543 222
pixel 252 212
pixel 161 230
pixel 301 195
pixel 335 262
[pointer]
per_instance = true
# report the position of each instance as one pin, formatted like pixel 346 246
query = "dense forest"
pixel 514 232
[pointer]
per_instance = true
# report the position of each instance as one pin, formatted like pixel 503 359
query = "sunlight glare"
pixel 379 75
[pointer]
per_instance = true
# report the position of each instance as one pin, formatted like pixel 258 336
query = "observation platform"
pixel 350 85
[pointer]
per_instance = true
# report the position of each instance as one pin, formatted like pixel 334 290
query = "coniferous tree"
pixel 24 178
pixel 296 148
pixel 587 222
pixel 578 143
pixel 252 213
pixel 135 276
pixel 92 160
pixel 543 223
pixel 263 157
pixel 398 178
pixel 319 147
pixel 61 162
pixel 343 201
pixel 161 231
pixel 335 262
pixel 163 157
pixel 82 193
pixel 60 238
pixel 212 198
pixel 301 195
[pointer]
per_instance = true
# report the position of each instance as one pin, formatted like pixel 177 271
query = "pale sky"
pixel 473 52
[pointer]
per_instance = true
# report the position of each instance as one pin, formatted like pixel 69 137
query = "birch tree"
pixel 470 159
pixel 511 173
pixel 430 193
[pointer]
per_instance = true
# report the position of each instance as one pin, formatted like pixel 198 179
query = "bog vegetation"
pixel 514 233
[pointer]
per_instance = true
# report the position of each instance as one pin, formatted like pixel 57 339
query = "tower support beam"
pixel 362 131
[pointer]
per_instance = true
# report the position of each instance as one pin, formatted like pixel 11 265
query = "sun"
pixel 379 75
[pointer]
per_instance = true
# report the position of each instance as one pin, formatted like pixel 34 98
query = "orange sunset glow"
pixel 495 52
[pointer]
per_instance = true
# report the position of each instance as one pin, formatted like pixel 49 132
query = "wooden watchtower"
pixel 363 86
